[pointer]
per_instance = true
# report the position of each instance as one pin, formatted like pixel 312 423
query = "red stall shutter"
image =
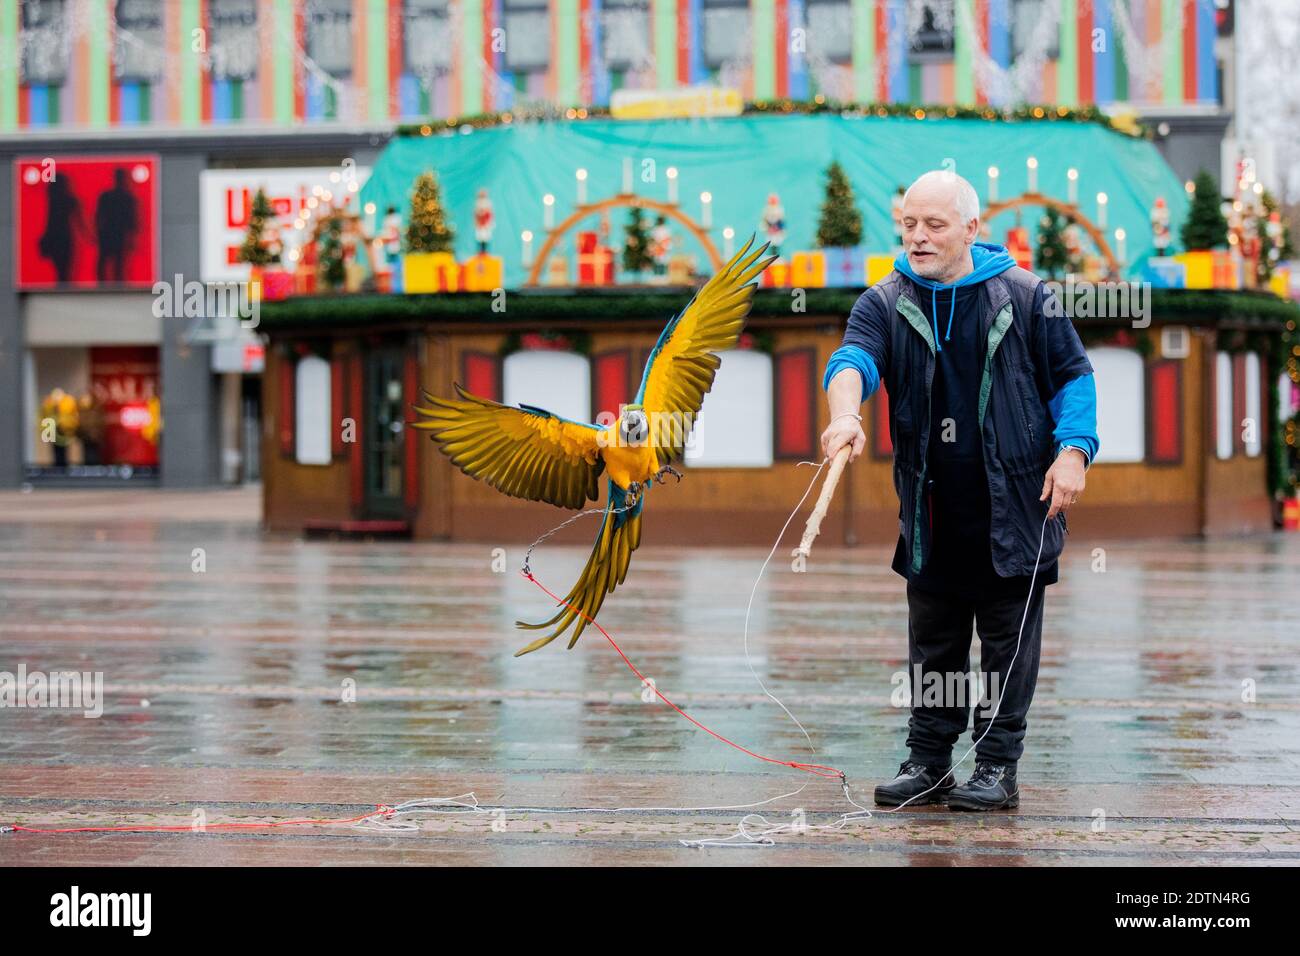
pixel 481 374
pixel 1164 401
pixel 795 395
pixel 611 375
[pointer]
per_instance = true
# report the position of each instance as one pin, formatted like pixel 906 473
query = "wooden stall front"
pixel 352 366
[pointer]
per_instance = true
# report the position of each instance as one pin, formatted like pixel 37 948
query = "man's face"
pixel 934 236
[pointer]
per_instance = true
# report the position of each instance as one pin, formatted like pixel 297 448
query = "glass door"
pixel 384 432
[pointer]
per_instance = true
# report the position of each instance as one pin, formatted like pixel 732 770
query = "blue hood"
pixel 990 260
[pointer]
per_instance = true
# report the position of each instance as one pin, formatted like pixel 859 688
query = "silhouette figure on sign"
pixel 62 215
pixel 115 224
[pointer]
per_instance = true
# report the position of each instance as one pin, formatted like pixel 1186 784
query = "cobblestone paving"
pixel 224 692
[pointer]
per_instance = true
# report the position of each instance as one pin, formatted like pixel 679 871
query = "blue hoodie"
pixel 1073 407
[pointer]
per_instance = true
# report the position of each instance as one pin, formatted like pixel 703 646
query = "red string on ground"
pixel 812 768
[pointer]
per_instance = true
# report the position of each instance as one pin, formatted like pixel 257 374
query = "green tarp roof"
pixel 740 160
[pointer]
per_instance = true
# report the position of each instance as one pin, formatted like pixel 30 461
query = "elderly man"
pixel 992 414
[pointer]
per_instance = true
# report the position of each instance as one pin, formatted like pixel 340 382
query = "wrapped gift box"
pixel 1227 266
pixel 353 275
pixel 776 276
pixel 1165 272
pixel 482 273
pixel 1280 282
pixel 681 270
pixel 808 270
pixel 878 267
pixel 557 271
pixel 430 272
pixel 844 265
pixel 595 263
pixel 1198 269
pixel 276 285
pixel 304 279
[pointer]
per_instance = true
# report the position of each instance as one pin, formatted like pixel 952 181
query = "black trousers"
pixel 938 644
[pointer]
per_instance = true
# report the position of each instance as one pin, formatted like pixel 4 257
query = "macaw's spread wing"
pixel 683 363
pixel 619 536
pixel 524 451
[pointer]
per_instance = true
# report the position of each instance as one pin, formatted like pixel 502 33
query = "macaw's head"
pixel 633 426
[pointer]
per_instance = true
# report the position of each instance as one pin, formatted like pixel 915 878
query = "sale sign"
pixel 124 383
pixel 295 193
pixel 86 222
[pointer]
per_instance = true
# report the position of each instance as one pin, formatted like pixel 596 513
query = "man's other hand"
pixel 1064 482
pixel 844 431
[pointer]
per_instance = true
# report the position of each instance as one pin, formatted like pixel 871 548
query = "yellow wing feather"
pixel 525 453
pixel 682 366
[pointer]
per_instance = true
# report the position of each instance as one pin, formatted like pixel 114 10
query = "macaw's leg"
pixel 633 492
pixel 667 470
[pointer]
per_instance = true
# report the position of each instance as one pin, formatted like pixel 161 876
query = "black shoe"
pixel 916 778
pixel 991 787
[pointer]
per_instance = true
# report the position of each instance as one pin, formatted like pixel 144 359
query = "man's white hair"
pixel 968 203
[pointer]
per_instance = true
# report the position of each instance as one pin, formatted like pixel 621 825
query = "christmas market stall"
pixel 538 262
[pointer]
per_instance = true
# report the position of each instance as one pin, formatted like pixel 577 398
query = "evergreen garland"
pixel 253 249
pixel 636 247
pixel 841 221
pixel 1205 227
pixel 428 229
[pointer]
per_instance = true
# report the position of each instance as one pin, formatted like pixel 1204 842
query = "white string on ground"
pixel 753 829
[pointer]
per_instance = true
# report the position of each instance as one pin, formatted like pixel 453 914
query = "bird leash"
pixel 753 829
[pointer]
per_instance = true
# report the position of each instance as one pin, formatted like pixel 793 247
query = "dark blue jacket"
pixel 1031 355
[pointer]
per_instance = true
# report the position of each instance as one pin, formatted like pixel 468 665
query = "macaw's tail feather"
pixel 619 536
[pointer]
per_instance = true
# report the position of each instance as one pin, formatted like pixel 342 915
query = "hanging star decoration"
pixel 527 452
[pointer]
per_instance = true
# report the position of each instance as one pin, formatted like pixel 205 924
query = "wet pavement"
pixel 1165 729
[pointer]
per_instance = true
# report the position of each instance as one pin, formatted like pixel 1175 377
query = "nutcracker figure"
pixel 773 223
pixel 484 221
pixel 1160 235
pixel 661 246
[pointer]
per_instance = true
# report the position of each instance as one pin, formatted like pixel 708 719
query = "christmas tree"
pixel 254 250
pixel 1274 238
pixel 1205 227
pixel 330 246
pixel 428 229
pixel 841 222
pixel 1053 258
pixel 636 247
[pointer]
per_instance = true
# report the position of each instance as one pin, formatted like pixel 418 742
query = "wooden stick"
pixel 814 526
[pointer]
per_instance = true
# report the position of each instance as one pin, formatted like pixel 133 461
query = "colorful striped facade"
pixel 490 55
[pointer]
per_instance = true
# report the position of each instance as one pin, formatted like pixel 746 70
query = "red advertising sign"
pixel 86 222
pixel 124 383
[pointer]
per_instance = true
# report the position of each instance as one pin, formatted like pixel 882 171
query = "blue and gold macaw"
pixel 528 452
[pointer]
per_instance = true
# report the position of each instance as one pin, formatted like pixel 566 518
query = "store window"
pixel 1121 422
pixel 625 34
pixel 427 40
pixel 559 382
pixel 329 35
pixel 94 411
pixel 138 42
pixel 528 31
pixel 930 25
pixel 311 402
pixel 734 427
pixel 830 31
pixel 44 43
pixel 233 41
pixel 726 36
pixel 1030 28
